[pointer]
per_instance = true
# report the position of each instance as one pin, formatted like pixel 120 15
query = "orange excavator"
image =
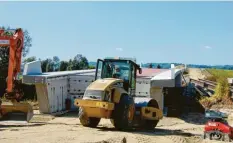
pixel 14 92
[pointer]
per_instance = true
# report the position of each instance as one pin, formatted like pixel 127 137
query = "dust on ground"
pixel 67 129
pixel 197 73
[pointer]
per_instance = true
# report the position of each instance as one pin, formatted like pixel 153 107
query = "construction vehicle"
pixel 112 96
pixel 14 92
pixel 217 127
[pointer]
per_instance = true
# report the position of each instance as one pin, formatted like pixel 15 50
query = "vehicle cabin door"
pixel 132 81
pixel 99 67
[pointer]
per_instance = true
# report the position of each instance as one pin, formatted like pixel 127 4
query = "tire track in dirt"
pixel 111 140
pixel 69 130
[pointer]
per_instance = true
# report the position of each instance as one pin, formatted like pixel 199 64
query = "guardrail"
pixel 204 83
pixel 211 85
pixel 208 81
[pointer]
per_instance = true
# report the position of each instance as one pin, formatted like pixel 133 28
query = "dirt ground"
pixel 196 73
pixel 67 129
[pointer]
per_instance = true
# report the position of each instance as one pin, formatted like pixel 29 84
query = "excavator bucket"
pixel 16 111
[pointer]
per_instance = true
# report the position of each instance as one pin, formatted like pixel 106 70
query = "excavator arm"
pixel 15 44
pixel 14 92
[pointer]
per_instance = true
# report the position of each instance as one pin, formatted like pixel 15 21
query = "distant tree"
pixel 29 59
pixel 91 67
pixel 158 66
pixel 79 62
pixel 63 66
pixel 47 65
pixel 84 63
pixel 75 65
pixel 44 64
pixel 150 65
pixel 50 66
pixel 56 63
pixel 70 65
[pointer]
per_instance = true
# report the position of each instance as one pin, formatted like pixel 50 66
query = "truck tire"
pixel 124 112
pixel 151 124
pixel 88 121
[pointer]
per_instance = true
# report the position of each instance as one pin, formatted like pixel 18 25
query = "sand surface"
pixel 67 129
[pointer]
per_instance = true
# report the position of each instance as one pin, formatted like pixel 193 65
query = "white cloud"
pixel 208 47
pixel 119 49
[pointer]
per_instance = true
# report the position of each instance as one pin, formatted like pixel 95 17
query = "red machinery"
pixel 14 92
pixel 217 128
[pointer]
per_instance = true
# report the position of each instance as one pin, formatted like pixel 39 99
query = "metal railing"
pixel 211 85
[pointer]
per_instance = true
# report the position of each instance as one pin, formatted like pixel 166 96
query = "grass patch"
pixel 219 73
pixel 209 102
pixel 221 95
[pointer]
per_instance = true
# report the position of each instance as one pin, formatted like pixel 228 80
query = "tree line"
pixel 54 64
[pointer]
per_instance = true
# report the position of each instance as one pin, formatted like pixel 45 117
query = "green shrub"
pixel 222 88
pixel 212 78
pixel 221 95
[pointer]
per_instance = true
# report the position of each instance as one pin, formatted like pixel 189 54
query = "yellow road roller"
pixel 112 96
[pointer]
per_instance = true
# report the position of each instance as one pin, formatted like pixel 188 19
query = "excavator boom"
pixel 14 92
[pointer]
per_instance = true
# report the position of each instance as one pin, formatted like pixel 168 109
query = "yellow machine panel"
pixel 94 104
pixel 24 108
pixel 94 108
pixel 117 95
pixel 102 84
pixel 97 112
pixel 151 113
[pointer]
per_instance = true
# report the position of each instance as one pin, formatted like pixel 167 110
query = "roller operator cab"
pixel 112 96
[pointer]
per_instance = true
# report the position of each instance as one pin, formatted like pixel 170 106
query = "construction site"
pixel 117 99
pixel 55 121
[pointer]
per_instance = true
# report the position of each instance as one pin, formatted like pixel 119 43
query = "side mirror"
pixel 140 71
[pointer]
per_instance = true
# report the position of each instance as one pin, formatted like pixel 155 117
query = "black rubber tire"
pixel 204 135
pixel 88 121
pixel 210 136
pixel 1 116
pixel 120 114
pixel 151 124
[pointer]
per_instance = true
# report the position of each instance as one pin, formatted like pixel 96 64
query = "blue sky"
pixel 187 32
